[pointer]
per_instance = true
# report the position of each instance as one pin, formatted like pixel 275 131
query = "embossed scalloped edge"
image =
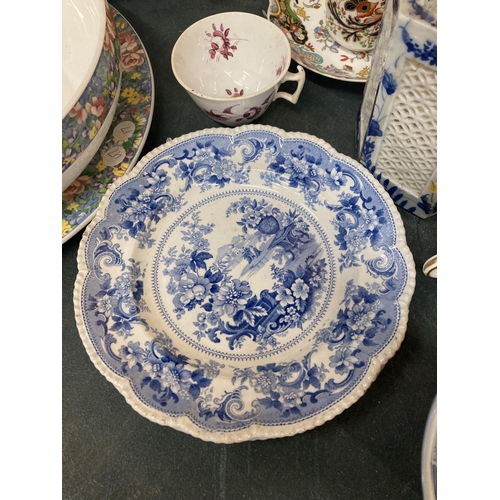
pixel 255 431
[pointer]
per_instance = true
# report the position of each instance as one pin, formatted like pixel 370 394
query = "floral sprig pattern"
pixel 426 52
pixel 238 112
pixel 235 92
pixel 422 12
pixel 221 44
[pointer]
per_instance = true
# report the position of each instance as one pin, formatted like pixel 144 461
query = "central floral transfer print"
pixel 243 279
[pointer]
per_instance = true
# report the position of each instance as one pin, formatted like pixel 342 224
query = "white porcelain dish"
pixel 243 283
pixel 83 26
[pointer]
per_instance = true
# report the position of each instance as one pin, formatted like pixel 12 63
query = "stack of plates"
pixel 91 82
pixel 117 144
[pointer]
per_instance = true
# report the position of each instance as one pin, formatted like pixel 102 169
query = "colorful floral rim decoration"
pixel 304 24
pixel 243 284
pixel 125 139
pixel 81 125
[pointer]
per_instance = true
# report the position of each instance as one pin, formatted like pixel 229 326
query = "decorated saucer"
pixel 312 46
pixel 125 139
pixel 244 283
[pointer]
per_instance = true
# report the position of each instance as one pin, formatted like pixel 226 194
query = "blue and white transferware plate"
pixel 243 283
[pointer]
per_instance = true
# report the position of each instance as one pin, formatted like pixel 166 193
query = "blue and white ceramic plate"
pixel 429 455
pixel 243 283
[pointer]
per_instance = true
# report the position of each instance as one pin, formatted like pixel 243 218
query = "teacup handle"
pixel 299 77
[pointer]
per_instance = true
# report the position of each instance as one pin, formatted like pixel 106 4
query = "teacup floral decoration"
pixel 224 46
pixel 225 64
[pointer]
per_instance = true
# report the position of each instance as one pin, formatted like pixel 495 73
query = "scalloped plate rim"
pixel 256 431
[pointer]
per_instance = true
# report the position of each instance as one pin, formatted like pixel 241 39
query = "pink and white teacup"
pixel 232 65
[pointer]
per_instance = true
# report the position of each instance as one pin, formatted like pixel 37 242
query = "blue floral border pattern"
pixel 154 244
pixel 426 52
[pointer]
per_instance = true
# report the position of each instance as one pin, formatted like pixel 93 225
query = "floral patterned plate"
pixel 243 284
pixel 123 144
pixel 312 46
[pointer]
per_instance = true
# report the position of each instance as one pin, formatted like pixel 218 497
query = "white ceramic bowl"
pixel 91 79
pixel 232 64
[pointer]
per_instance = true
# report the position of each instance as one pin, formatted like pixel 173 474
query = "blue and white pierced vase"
pixel 397 125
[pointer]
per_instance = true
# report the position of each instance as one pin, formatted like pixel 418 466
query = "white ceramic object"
pixel 243 283
pixel 95 89
pixel 397 130
pixel 429 455
pixel 83 26
pixel 232 64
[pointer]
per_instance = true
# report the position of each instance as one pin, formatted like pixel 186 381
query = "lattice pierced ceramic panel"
pixel 397 125
pixel 408 152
